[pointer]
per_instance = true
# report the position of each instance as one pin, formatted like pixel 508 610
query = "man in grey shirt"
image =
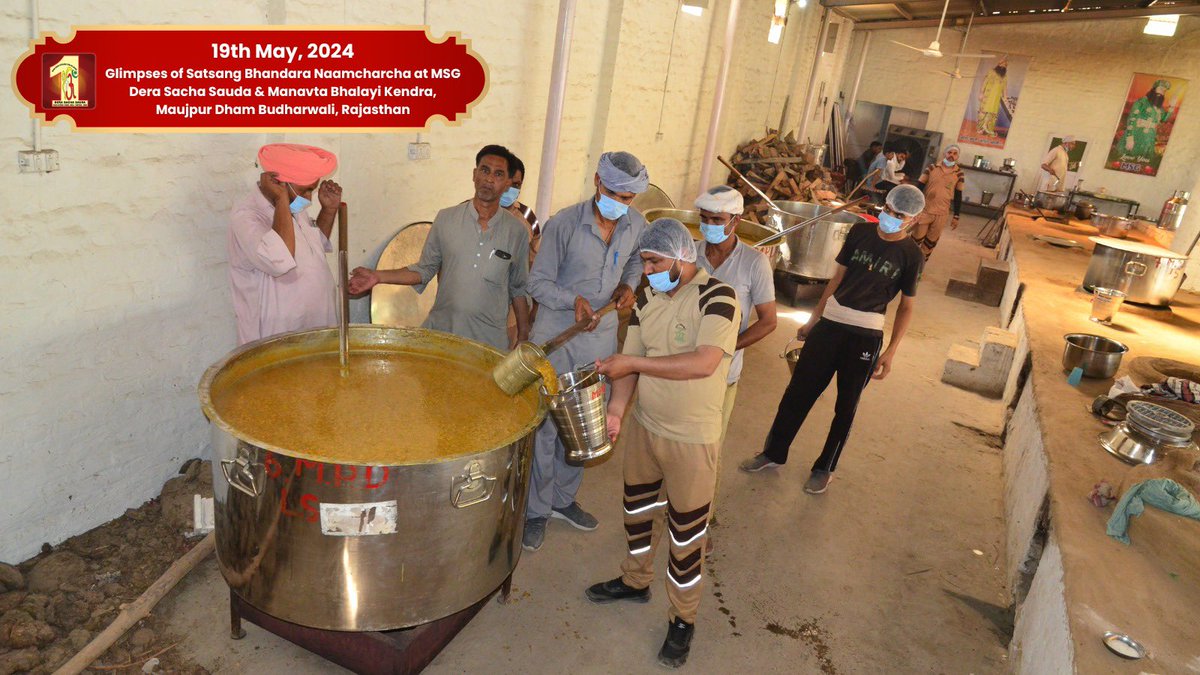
pixel 480 254
pixel 588 258
pixel 748 271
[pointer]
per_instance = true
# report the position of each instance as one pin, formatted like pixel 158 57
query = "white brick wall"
pixel 114 272
pixel 1076 84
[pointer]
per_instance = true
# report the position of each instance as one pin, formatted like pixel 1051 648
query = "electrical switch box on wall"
pixel 419 151
pixel 37 161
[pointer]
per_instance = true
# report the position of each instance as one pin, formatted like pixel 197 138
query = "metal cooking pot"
pixel 1051 201
pixel 1116 227
pixel 1084 210
pixel 747 231
pixel 1098 356
pixel 1149 275
pixel 356 547
pixel 810 251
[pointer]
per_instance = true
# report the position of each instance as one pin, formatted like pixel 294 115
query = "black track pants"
pixel 831 348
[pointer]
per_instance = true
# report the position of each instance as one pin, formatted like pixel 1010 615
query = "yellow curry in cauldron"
pixel 388 408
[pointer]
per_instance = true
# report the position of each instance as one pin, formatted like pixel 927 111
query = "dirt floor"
pixel 895 569
pixel 58 601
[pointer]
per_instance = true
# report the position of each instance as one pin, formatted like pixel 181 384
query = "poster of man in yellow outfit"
pixel 993 100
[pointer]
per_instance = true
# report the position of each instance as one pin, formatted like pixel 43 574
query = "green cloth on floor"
pixel 1162 493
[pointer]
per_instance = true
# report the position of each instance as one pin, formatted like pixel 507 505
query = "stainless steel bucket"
pixel 579 411
pixel 811 251
pixel 355 547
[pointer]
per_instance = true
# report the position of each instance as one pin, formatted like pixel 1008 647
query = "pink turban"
pixel 295 163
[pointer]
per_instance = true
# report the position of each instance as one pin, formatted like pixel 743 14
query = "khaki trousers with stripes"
pixel 676 480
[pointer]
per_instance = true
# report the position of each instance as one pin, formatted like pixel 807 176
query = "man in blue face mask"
pixel 745 268
pixel 677 353
pixel 845 334
pixel 587 258
pixel 277 268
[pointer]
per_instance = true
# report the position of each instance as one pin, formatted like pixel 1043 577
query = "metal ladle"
pixel 519 368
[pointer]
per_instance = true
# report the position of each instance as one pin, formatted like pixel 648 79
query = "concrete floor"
pixel 895 569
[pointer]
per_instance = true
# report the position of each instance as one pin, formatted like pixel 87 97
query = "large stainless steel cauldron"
pixel 355 547
pixel 747 231
pixel 1149 275
pixel 810 251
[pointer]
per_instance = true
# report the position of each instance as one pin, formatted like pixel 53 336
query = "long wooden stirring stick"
pixel 343 289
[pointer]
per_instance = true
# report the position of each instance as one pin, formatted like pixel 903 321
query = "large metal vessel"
pixel 1149 275
pixel 346 546
pixel 1171 216
pixel 811 251
pixel 747 231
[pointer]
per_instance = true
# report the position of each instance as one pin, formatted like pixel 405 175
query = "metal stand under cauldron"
pixel 393 652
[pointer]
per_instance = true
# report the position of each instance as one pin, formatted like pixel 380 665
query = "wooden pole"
pixel 140 608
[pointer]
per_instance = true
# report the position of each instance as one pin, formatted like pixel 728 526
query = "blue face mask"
pixel 949 162
pixel 661 281
pixel 713 234
pixel 611 208
pixel 299 203
pixel 889 223
pixel 510 196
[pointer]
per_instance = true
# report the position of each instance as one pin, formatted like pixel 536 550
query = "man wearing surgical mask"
pixel 277 268
pixel 677 353
pixel 744 268
pixel 943 184
pixel 588 258
pixel 844 337
pixel 509 200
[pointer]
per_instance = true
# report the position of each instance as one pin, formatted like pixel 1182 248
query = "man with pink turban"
pixel 277 267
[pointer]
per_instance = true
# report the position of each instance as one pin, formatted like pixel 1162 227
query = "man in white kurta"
pixel 1054 167
pixel 277 269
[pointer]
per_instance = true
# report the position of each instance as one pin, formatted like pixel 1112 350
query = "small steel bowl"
pixel 1120 644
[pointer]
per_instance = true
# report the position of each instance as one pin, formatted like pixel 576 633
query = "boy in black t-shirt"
pixel 845 333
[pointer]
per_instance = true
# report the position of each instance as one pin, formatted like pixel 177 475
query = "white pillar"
pixel 710 147
pixel 858 76
pixel 806 114
pixel 554 107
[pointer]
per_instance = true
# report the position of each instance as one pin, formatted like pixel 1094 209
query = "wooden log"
pixel 140 608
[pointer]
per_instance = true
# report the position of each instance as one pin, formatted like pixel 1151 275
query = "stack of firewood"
pixel 783 168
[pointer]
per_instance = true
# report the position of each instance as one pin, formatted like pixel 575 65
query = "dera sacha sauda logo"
pixel 69 81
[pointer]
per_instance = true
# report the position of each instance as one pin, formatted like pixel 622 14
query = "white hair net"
pixel 1068 139
pixel 906 199
pixel 721 199
pixel 951 147
pixel 622 172
pixel 668 238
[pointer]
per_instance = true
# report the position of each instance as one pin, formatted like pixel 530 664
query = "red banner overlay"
pixel 250 79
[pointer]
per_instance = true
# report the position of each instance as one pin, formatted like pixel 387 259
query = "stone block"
pixel 983 370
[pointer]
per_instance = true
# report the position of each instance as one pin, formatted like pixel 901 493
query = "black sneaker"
pixel 611 591
pixel 675 648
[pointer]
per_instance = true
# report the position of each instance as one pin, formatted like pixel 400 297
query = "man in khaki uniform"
pixel 943 186
pixel 681 341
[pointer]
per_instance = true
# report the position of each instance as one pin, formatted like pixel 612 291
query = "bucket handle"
pixel 463 487
pixel 1135 265
pixel 787 347
pixel 244 478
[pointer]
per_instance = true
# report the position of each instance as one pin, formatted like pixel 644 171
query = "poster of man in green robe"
pixel 1150 112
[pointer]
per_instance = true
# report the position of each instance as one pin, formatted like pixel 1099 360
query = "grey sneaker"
pixel 535 533
pixel 757 463
pixel 818 482
pixel 576 516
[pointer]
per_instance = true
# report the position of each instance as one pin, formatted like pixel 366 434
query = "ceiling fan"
pixel 935 48
pixel 957 75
